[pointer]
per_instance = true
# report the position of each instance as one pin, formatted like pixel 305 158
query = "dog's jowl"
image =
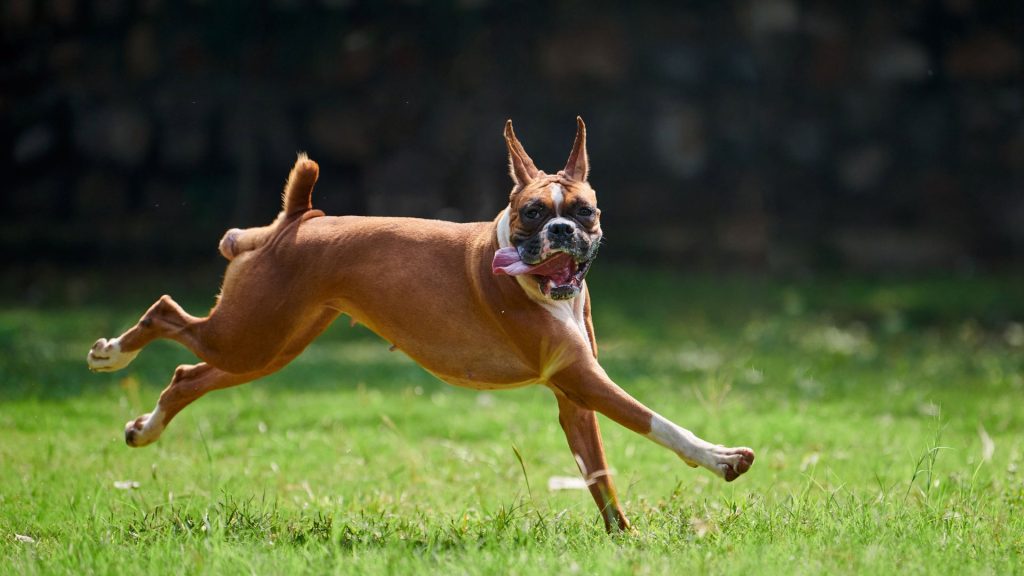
pixel 485 305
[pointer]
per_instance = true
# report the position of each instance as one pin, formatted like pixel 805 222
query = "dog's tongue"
pixel 507 261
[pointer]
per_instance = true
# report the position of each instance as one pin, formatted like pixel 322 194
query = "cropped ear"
pixel 520 166
pixel 578 166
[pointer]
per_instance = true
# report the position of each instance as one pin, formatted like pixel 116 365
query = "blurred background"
pixel 787 136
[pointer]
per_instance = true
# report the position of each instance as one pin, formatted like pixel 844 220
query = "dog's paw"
pixel 106 356
pixel 143 430
pixel 732 462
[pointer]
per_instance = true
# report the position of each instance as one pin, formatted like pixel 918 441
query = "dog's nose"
pixel 560 230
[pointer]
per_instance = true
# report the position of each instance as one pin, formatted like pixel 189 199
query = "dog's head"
pixel 551 229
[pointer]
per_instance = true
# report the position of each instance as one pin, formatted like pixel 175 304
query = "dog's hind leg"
pixel 584 436
pixel 164 319
pixel 191 382
pixel 246 331
pixel 241 334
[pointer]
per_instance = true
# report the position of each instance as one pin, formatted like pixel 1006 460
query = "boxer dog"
pixel 485 305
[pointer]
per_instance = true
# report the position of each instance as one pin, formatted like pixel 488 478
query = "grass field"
pixel 887 416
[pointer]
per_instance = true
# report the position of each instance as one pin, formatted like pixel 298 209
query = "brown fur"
pixel 296 202
pixel 424 286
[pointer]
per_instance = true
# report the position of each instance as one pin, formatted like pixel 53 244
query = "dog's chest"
pixel 464 355
pixel 569 317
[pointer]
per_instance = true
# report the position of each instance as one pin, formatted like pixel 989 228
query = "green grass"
pixel 887 417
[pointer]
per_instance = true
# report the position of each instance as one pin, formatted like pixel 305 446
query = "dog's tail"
pixel 298 191
pixel 296 201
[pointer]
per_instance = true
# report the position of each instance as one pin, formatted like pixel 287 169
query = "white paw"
pixel 144 430
pixel 730 463
pixel 106 356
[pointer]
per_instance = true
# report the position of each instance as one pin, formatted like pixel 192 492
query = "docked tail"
pixel 299 189
pixel 296 201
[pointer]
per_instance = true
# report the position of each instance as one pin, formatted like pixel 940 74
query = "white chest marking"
pixel 570 312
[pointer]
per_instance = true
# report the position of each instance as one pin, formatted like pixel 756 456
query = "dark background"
pixel 777 135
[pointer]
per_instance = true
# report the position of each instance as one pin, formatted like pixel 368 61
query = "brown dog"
pixel 486 305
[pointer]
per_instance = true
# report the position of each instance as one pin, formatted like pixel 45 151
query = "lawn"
pixel 887 417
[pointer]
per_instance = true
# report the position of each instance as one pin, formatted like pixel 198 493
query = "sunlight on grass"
pixel 884 415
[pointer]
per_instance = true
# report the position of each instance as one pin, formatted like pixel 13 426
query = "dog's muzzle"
pixel 559 264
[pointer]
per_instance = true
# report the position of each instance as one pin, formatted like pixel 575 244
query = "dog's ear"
pixel 520 166
pixel 578 166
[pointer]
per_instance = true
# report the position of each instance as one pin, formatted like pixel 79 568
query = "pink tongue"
pixel 558 267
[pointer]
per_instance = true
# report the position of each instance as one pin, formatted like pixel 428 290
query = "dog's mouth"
pixel 559 276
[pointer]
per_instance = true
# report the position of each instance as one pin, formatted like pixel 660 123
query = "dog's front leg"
pixel 584 436
pixel 586 384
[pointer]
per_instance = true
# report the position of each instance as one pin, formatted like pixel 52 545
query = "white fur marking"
pixel 106 356
pixel 152 427
pixel 504 229
pixel 581 464
pixel 697 452
pixel 568 312
pixel 580 317
pixel 681 441
pixel 557 196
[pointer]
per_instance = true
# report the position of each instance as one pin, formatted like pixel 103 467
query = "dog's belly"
pixel 462 354
pixel 478 368
pixel 481 385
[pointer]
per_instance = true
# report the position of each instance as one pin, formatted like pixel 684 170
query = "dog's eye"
pixel 532 213
pixel 585 212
